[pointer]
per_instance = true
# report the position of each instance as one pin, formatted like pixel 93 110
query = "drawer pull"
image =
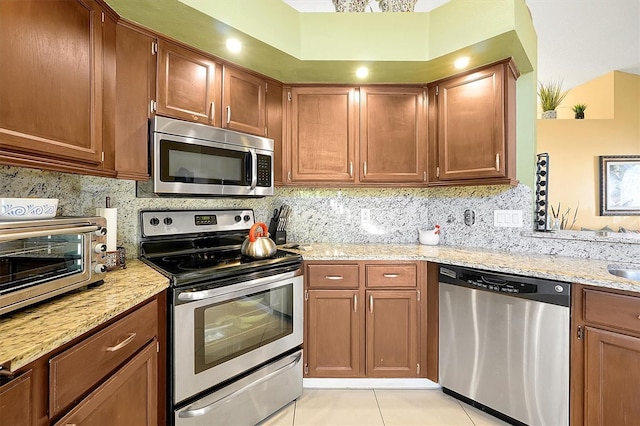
pixel 391 275
pixel 371 304
pixel 334 277
pixel 355 303
pixel 122 344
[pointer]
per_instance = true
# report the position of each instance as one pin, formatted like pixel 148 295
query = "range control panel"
pixel 177 222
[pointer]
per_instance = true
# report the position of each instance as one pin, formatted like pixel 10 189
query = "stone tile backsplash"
pixel 381 215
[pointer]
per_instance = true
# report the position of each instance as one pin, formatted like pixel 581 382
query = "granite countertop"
pixel 569 269
pixel 32 332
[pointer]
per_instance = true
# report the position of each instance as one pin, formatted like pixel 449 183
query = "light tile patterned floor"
pixel 379 407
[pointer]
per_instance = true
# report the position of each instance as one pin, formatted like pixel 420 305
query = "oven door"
pixel 39 263
pixel 226 331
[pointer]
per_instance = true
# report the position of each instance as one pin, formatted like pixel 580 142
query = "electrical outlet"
pixel 469 217
pixel 365 217
pixel 507 218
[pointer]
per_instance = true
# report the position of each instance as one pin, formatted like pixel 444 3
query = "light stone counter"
pixel 569 269
pixel 30 333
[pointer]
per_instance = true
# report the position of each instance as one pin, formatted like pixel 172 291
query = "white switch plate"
pixel 507 218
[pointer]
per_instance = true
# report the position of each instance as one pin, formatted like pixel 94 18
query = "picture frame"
pixel 619 185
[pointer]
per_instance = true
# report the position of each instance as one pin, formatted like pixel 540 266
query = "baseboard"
pixel 370 384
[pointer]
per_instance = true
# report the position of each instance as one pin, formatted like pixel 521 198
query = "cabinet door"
pixel 189 85
pixel 393 138
pixel 392 333
pixel 612 375
pixel 127 397
pixel 15 401
pixel 243 99
pixel 135 90
pixel 323 134
pixel 51 81
pixel 335 335
pixel 476 125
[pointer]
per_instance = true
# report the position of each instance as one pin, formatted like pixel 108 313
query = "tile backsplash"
pixel 381 215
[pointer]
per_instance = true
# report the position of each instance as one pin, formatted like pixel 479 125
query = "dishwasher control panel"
pixel 504 287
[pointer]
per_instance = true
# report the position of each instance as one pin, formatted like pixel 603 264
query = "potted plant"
pixel 551 95
pixel 397 5
pixel 579 110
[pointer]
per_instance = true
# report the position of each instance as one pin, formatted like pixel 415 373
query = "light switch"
pixel 507 218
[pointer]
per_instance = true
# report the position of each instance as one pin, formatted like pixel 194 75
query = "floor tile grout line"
pixel 295 406
pixel 375 395
pixel 466 412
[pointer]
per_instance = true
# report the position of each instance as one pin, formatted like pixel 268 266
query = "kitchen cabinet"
pixel 356 136
pixel 136 63
pixel 363 319
pixel 605 357
pixel 15 401
pixel 393 135
pixel 322 135
pixel 114 372
pixel 51 85
pixel 189 84
pixel 472 127
pixel 243 101
pixel 275 127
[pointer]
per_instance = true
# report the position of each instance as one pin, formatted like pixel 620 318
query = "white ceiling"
pixel 578 40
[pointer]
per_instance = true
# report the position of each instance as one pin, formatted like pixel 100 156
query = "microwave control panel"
pixel 264 170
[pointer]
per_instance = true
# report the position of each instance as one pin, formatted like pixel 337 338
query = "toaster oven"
pixel 40 259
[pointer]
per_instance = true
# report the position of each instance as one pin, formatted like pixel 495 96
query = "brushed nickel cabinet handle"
pixel 498 162
pixel 391 275
pixel 355 303
pixel 334 277
pixel 638 316
pixel 350 168
pixel 371 304
pixel 365 169
pixel 228 114
pixel 122 344
pixel 213 111
pixel 289 175
pixel 424 176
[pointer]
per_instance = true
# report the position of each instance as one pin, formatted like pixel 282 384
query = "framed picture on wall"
pixel 619 185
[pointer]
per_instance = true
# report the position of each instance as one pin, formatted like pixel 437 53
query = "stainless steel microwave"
pixel 40 259
pixel 193 159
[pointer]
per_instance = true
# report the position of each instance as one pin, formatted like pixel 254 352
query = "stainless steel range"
pixel 235 324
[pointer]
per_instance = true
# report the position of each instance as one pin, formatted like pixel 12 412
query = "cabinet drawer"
pixel 392 275
pixel 80 368
pixel 613 310
pixel 332 276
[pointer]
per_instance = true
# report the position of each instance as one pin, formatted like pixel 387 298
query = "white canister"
pixel 430 237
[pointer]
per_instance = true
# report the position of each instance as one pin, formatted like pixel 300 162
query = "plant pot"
pixel 397 5
pixel 350 5
pixel 579 115
pixel 549 115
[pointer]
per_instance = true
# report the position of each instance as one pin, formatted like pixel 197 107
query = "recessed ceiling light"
pixel 234 45
pixel 362 72
pixel 461 63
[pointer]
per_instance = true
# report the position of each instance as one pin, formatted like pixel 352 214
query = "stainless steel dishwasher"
pixel 504 344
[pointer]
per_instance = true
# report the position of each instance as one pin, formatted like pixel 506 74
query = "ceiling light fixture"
pixel 362 72
pixel 461 63
pixel 234 45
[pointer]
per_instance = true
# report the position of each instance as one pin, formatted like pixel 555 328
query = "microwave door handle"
pixel 254 170
pixel 46 232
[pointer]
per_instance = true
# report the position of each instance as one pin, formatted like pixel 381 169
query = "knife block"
pixel 280 237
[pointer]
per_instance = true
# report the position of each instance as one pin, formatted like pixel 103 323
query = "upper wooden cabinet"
pixel 472 126
pixel 189 84
pixel 136 63
pixel 243 101
pixel 323 134
pixel 275 127
pixel 393 134
pixel 51 85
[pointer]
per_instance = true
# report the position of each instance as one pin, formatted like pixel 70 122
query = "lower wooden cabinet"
pixel 363 319
pixel 605 369
pixel 335 335
pixel 112 375
pixel 127 397
pixel 16 402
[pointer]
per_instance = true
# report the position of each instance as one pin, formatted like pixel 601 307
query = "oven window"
pixel 31 261
pixel 234 327
pixel 189 163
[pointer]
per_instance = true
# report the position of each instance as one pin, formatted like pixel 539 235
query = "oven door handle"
pixel 215 404
pixel 47 231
